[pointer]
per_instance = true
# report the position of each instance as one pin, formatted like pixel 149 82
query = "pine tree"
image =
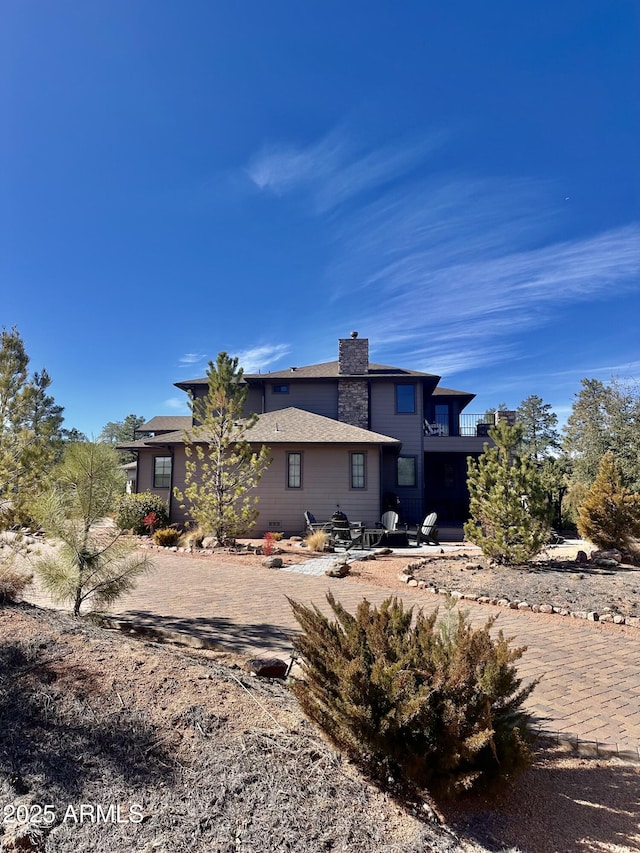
pixel 540 435
pixel 30 424
pixel 222 469
pixel 610 514
pixel 508 507
pixel 93 562
pixel 605 418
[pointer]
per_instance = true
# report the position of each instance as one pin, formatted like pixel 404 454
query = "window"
pixel 406 470
pixel 358 480
pixel 162 472
pixel 405 399
pixel 279 389
pixel 294 470
pixel 442 418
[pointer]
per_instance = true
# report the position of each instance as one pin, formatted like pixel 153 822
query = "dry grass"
pixel 14 577
pixel 217 760
pixel 317 540
pixel 13 583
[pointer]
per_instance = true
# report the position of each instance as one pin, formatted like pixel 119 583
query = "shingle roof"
pixel 325 370
pixel 449 392
pixel 287 426
pixel 166 423
pixel 301 427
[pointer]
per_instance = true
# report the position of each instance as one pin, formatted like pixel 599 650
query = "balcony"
pixel 475 426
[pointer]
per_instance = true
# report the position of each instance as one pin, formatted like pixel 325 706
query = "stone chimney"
pixel 353 355
pixel 353 393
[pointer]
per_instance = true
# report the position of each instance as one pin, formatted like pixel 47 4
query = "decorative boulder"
pixel 608 554
pixel 266 667
pixel 272 563
pixel 338 570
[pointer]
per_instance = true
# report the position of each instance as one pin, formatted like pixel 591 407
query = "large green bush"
pixel 508 503
pixel 438 702
pixel 132 509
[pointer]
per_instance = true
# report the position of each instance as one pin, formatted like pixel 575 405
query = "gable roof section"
pixel 330 370
pixel 465 397
pixel 166 423
pixel 301 427
pixel 286 426
pixel 325 370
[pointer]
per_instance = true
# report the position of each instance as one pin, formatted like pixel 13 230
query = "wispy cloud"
pixel 258 358
pixel 177 404
pixel 451 272
pixel 192 358
pixel 334 169
pixel 463 269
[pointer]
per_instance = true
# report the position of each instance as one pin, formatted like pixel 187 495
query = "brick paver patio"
pixel 590 688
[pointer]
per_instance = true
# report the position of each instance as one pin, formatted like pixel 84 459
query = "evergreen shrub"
pixel 437 702
pixel 609 515
pixel 132 509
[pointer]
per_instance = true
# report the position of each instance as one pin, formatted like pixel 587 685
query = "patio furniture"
pixel 344 534
pixel 427 532
pixel 311 525
pixel 389 520
pixel 388 534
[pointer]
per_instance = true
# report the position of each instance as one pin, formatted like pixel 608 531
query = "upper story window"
pixel 358 479
pixel 442 418
pixel 162 472
pixel 279 389
pixel 406 471
pixel 405 399
pixel 294 470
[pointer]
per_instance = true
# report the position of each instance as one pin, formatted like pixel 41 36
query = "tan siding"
pixel 325 483
pixel 145 473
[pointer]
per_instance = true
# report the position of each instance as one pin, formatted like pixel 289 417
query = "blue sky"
pixel 457 181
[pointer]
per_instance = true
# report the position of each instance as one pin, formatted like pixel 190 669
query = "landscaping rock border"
pixel 407 576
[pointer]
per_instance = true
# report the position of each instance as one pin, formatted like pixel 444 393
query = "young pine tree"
pixel 610 514
pixel 92 561
pixel 508 506
pixel 222 469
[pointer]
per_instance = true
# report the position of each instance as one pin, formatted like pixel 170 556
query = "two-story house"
pixel 365 437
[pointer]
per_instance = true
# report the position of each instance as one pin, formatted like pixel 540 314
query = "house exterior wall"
pixel 144 482
pixel 408 428
pixel 321 398
pixel 326 482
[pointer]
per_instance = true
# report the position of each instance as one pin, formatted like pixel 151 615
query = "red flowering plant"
pixel 267 544
pixel 150 522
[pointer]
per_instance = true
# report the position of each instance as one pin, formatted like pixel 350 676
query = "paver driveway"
pixel 590 686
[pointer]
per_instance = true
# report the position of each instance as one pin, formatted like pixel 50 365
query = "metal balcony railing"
pixel 468 425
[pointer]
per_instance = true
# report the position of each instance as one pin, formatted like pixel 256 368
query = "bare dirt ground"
pixel 554 578
pixel 215 760
pixel 208 757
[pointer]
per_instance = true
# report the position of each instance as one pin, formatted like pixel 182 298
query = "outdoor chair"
pixel 311 525
pixel 427 532
pixel 389 520
pixel 346 535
